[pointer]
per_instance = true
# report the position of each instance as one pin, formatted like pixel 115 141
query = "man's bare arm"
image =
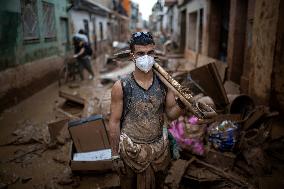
pixel 116 108
pixel 173 111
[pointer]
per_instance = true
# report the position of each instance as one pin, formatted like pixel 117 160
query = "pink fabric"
pixel 193 120
pixel 196 146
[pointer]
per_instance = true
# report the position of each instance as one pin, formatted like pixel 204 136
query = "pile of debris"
pixel 242 147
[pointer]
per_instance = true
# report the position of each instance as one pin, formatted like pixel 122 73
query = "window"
pixel 200 31
pixel 192 25
pixel 29 19
pixel 86 28
pixel 48 20
pixel 101 31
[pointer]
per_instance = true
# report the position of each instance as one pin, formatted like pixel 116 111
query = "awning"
pixel 92 7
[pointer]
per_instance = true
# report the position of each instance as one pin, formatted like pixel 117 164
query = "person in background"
pixel 81 34
pixel 83 53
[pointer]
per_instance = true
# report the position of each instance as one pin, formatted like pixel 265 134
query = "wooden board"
pixel 209 79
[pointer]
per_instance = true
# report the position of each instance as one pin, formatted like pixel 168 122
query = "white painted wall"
pixel 193 6
pixel 103 20
pixel 77 18
pixel 165 18
pixel 139 24
pixel 174 24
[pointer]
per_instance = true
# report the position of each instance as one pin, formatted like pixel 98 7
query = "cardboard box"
pixel 90 144
pixel 89 134
pixel 89 166
pixel 208 78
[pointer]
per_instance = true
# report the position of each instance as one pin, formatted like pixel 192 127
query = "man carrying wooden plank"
pixel 140 147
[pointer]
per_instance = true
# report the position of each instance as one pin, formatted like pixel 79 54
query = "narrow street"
pixel 24 127
pixel 26 159
pixel 210 116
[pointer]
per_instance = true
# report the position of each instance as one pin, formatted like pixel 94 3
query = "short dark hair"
pixel 140 38
pixel 76 39
pixel 81 31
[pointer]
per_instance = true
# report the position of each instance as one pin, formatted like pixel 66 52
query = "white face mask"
pixel 145 63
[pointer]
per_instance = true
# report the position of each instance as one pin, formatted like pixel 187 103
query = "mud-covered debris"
pixel 61 140
pixel 76 181
pixel 107 81
pixel 236 179
pixel 223 135
pixel 28 154
pixel 256 158
pixel 267 182
pixel 58 132
pixel 39 186
pixel 201 174
pixel 52 146
pixel 72 96
pixel 104 104
pixel 26 179
pixel 60 159
pixel 7 178
pixel 52 185
pixel 255 116
pixel 214 157
pixel 66 177
pixel 277 129
pixel 275 149
pixel 3 186
pixel 74 85
pixel 29 133
pixel 65 180
pixel 176 173
pixel 68 110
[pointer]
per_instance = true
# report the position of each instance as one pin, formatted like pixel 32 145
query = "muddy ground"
pixel 29 159
pixel 26 161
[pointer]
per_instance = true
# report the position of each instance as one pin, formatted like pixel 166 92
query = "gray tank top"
pixel 143 110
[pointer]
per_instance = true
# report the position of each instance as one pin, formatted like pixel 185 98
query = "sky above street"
pixel 145 7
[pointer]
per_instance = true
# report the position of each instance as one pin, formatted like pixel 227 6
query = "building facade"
pixel 94 19
pixel 244 36
pixel 33 29
pixel 34 35
pixel 134 16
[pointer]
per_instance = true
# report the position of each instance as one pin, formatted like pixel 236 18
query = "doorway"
pixel 86 28
pixel 64 35
pixel 219 29
pixel 183 31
